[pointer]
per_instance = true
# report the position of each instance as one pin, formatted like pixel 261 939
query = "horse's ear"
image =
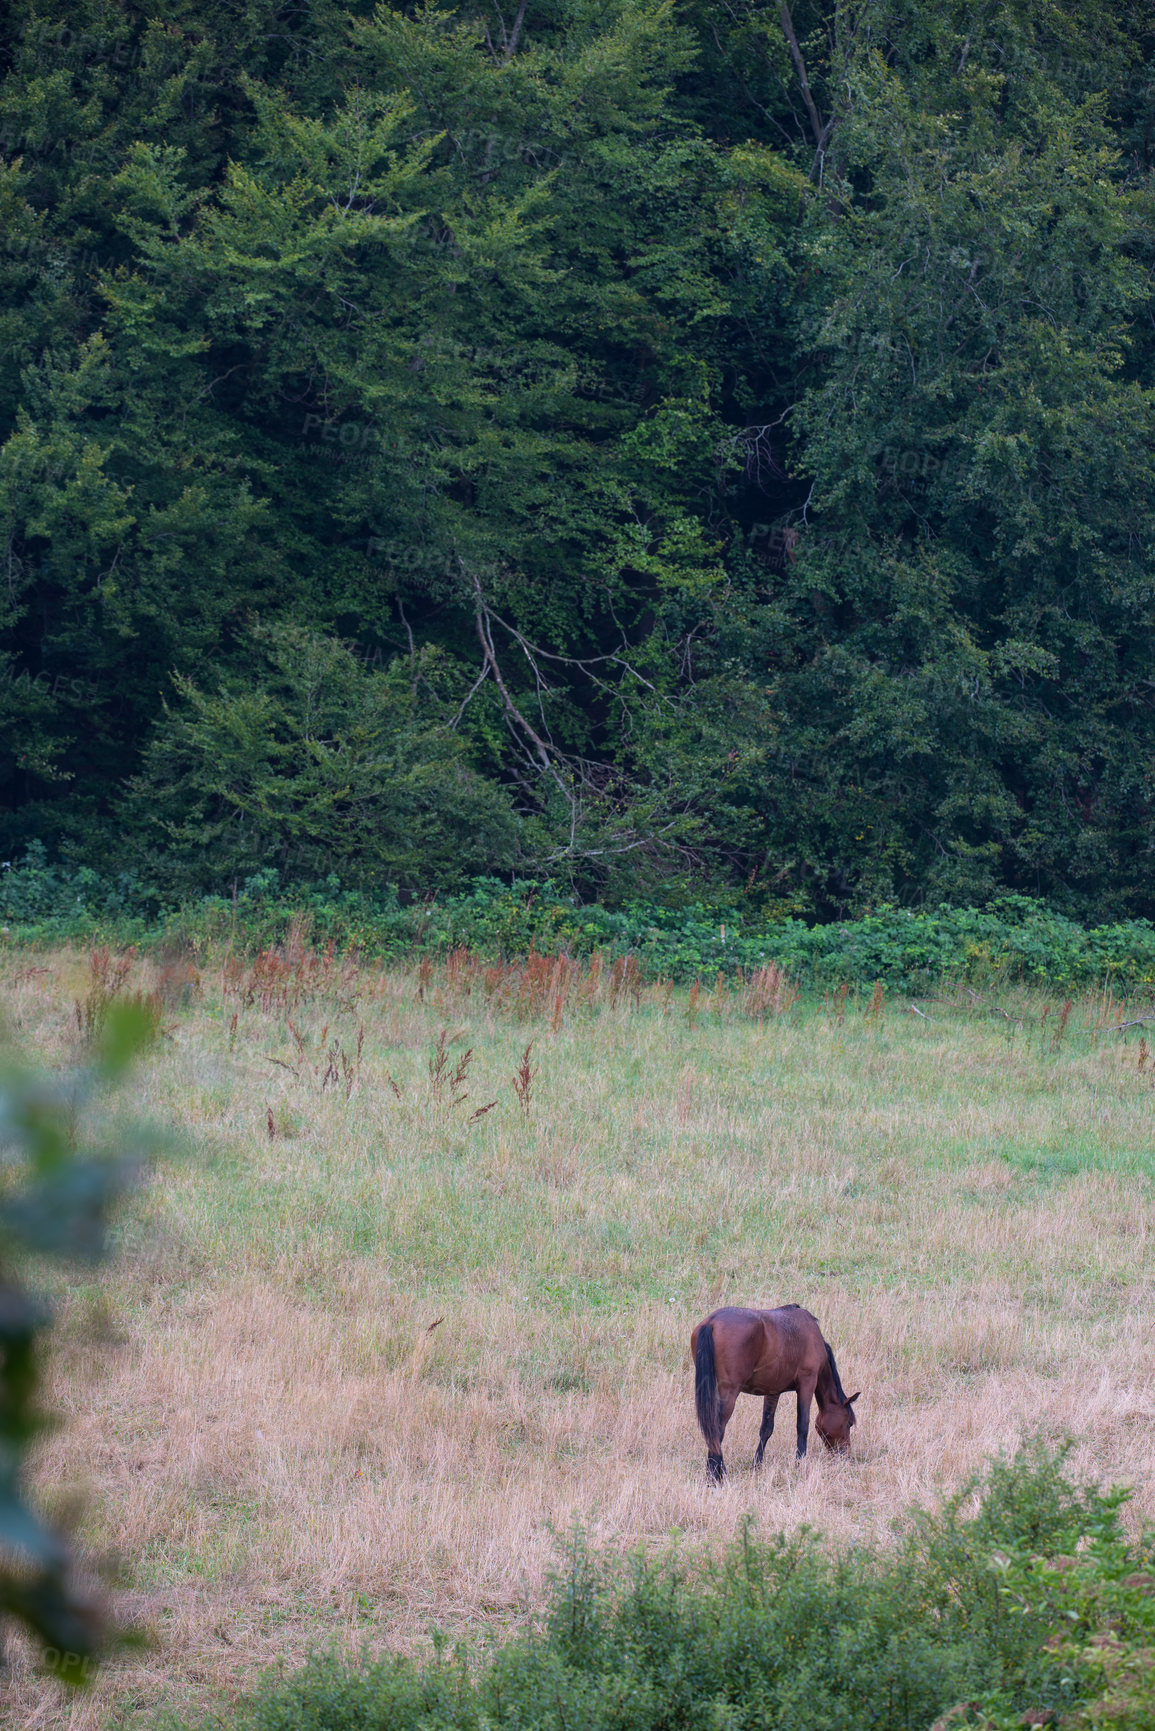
pixel 851 1398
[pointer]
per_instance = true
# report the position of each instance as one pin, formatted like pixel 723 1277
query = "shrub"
pixel 1015 939
pixel 1030 1609
pixel 313 757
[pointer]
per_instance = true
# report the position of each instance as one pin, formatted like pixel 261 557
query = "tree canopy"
pixel 648 443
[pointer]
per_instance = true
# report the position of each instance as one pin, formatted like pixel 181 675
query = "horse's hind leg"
pixel 805 1396
pixel 769 1406
pixel 715 1465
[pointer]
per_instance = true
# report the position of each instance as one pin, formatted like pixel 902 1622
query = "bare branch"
pixel 511 44
pixel 471 693
pixel 575 777
pixel 821 129
pixel 412 646
pixel 754 446
pixel 603 852
pixel 522 730
pixel 583 662
pixel 513 713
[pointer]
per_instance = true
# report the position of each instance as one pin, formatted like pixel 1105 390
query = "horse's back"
pixel 789 1319
pixel 734 1316
pixel 765 1351
pixel 793 1320
pixel 733 1323
pixel 796 1337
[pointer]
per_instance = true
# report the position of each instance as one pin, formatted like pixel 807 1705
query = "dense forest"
pixel 643 444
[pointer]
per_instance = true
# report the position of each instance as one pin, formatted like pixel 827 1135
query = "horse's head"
pixel 833 1423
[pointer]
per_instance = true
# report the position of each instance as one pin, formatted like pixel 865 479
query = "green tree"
pixel 316 765
pixel 957 653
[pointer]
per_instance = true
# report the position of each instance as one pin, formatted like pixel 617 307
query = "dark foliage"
pixel 722 434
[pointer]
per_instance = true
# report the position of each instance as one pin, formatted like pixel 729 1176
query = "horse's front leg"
pixel 769 1406
pixel 805 1396
pixel 715 1465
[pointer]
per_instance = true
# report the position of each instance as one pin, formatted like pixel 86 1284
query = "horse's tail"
pixel 706 1389
pixel 838 1388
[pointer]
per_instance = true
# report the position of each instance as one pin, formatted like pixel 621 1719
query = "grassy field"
pixel 288 1453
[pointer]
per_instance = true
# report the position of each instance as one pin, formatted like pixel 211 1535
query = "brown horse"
pixel 766 1352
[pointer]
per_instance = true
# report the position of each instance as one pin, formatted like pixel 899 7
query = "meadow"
pixel 373 1345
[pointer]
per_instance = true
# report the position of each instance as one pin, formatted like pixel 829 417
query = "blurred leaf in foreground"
pixel 64 1165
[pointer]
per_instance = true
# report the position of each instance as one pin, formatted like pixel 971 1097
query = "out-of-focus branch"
pixel 59 1205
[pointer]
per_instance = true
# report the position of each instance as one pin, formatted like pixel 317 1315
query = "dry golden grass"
pixel 286 1457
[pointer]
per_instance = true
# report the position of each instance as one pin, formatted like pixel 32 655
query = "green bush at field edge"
pixel 1032 1609
pixel 1013 939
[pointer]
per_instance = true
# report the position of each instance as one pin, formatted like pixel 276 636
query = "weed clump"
pixel 108 977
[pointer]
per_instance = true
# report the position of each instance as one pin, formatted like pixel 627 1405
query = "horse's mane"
pixel 838 1388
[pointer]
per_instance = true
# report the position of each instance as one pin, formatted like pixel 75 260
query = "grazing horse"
pixel 766 1352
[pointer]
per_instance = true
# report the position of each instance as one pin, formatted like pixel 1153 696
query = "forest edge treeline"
pixel 724 432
